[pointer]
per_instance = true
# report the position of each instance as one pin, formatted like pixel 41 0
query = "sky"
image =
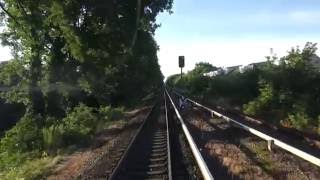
pixel 234 32
pixel 231 32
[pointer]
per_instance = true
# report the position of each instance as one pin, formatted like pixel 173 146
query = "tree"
pixel 203 67
pixel 83 51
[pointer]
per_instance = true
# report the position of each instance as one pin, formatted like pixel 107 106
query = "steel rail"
pixel 195 151
pixel 281 144
pixel 168 138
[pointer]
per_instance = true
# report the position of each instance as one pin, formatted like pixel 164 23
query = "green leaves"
pixel 81 120
pixel 14 83
pixel 263 101
pixel 23 137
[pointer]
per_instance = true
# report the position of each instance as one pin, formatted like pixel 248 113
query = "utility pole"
pixel 181 64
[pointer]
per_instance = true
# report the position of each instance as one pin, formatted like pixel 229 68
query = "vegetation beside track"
pixel 285 93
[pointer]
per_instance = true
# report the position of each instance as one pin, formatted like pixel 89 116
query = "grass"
pixel 263 156
pixel 37 168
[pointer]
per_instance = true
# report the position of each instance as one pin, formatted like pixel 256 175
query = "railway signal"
pixel 181 63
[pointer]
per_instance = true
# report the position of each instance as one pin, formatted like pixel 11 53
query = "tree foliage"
pixel 83 51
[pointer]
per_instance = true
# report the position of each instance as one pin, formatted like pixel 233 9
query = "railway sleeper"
pixel 147 164
pixel 147 168
pixel 160 132
pixel 159 143
pixel 144 177
pixel 160 149
pixel 148 173
pixel 159 137
pixel 159 146
pixel 159 154
pixel 158 159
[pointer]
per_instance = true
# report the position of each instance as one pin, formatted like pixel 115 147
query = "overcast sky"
pixel 234 32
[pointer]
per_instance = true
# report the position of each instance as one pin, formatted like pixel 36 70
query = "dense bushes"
pixel 79 124
pixel 292 91
pixel 22 137
pixel 235 88
pixel 286 94
pixel 28 140
pixel 262 102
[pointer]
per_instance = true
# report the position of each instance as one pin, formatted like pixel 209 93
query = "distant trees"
pixel 203 67
pixel 194 80
pixel 286 94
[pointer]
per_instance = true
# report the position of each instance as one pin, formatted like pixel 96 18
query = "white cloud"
pixel 293 17
pixel 310 17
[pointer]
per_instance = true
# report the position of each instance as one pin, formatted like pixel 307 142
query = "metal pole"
pixel 181 74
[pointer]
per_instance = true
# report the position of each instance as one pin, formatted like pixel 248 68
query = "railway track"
pixel 157 152
pixel 149 154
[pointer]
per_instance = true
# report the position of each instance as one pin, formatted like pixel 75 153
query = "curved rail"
pixel 285 146
pixel 195 151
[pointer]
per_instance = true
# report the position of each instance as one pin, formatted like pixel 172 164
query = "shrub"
pixel 107 113
pixel 262 101
pixel 79 125
pixel 53 137
pixel 25 136
pixel 299 120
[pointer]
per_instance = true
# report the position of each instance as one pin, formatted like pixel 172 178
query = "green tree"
pixel 203 67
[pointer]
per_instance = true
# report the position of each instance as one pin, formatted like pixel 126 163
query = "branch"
pixel 22 8
pixel 137 24
pixel 8 13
